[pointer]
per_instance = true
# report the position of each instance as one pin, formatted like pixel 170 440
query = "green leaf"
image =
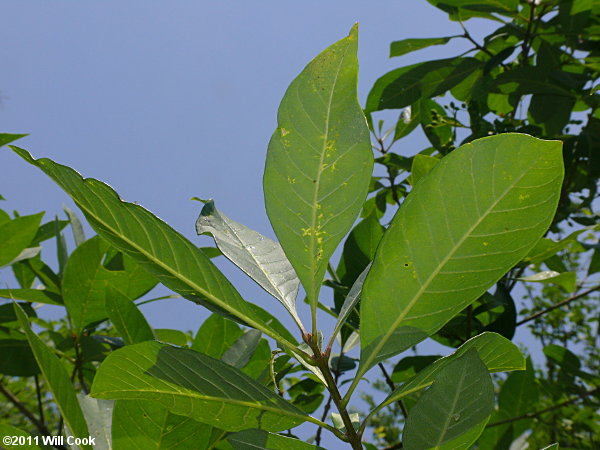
pixel 461 398
pixel 194 385
pixel 409 118
pixel 76 226
pixel 17 358
pixel 32 295
pixel 519 395
pixel 566 280
pixel 7 430
pixel 263 440
pixel 319 162
pixel 338 422
pixel 261 258
pixel 58 381
pixel 171 336
pixel 421 165
pixel 216 335
pixel 563 357
pixel 98 415
pixel 399 48
pixel 28 253
pixel 169 256
pixel 484 205
pixel 239 354
pixel 7 138
pixel 128 320
pixel 87 278
pixel 404 86
pixel 146 425
pixel 465 9
pixel 350 303
pixel 552 447
pixel 48 230
pixel 16 235
pixel 408 367
pixel 497 353
pixel 546 248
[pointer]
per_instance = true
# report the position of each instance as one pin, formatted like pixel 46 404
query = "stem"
pixel 336 376
pixel 534 414
pixel 392 386
pixel 321 360
pixel 468 36
pixel 558 305
pixel 38 394
pixel 24 410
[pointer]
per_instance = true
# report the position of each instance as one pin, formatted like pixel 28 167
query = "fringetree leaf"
pixel 497 353
pixel 17 357
pixel 7 138
pixel 408 367
pixel 242 349
pixel 147 425
pixel 76 226
pixel 406 85
pixel 87 278
pixel 194 385
pixel 98 415
pixel 261 258
pixel 127 318
pixel 8 430
pixel 519 395
pixel 461 398
pixel 16 235
pixel 158 248
pixel 58 381
pixel 319 162
pixel 32 295
pixel 216 335
pixel 470 220
pixel 566 280
pixel 421 165
pixel 399 48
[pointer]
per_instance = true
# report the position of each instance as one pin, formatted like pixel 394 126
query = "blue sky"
pixel 169 100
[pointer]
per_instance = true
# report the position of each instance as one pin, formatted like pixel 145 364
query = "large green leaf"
pixel 519 395
pixel 58 381
pixel 16 235
pixel 127 318
pixel 146 425
pixel 162 251
pixel 16 433
pixel 404 86
pixel 461 398
pixel 194 385
pixel 261 258
pixel 497 353
pixel 98 415
pixel 464 225
pixel 87 278
pixel 319 162
pixel 32 295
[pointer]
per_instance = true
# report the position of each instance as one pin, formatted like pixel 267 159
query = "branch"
pixel 534 414
pixel 24 410
pixel 468 36
pixel 558 305
pixel 392 386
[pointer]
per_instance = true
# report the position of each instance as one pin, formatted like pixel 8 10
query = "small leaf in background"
pixel 519 395
pixel 261 258
pixel 32 295
pixel 399 48
pixel 319 162
pixel 146 425
pixel 306 394
pixel 239 354
pixel 16 235
pixel 339 423
pixel 461 398
pixel 263 440
pixel 566 280
pixel 76 226
pixel 7 138
pixel 170 336
pixel 216 335
pixel 480 228
pixel 409 366
pixel 62 253
pixel 58 381
pixel 17 357
pixel 192 384
pixel 404 86
pixel 421 165
pixel 409 118
pixel 128 320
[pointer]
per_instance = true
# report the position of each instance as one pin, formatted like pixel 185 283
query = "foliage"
pixel 471 218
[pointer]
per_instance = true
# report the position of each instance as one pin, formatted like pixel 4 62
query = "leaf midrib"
pixel 315 286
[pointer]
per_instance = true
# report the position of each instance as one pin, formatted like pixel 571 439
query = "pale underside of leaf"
pixel 261 258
